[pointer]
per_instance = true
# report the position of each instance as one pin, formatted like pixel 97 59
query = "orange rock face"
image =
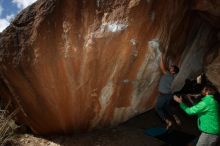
pixel 71 66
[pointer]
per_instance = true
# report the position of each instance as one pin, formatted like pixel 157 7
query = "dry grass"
pixel 7 125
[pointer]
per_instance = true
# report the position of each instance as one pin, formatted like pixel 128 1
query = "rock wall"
pixel 72 66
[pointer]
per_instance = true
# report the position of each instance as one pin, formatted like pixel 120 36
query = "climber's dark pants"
pixel 164 107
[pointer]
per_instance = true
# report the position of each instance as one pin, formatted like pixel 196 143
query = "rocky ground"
pixel 130 133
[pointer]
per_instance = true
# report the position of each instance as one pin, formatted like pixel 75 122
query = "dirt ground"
pixel 130 133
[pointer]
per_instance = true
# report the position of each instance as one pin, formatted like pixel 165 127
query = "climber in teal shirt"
pixel 208 112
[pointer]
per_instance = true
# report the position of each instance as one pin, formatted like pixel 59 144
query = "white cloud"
pixel 21 4
pixel 3 24
pixel 10 17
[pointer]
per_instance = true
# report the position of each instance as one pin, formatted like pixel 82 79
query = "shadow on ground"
pixel 130 133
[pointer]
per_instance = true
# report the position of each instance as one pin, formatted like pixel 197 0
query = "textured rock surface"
pixel 77 65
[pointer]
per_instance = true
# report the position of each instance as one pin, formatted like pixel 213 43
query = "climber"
pixel 208 110
pixel 163 105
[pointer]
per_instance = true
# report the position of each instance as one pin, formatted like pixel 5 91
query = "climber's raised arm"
pixel 162 65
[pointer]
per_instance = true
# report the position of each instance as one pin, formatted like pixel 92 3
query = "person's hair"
pixel 210 88
pixel 212 91
pixel 176 68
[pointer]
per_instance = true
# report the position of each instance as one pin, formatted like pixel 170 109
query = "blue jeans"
pixel 207 140
pixel 163 106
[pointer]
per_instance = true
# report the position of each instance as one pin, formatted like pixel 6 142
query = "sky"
pixel 9 9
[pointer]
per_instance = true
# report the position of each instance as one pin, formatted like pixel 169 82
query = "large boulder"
pixel 75 65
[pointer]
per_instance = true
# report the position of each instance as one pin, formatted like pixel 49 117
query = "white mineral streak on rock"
pixel 89 40
pixel 112 26
pixel 152 16
pixel 104 99
pixel 98 2
pixel 148 74
pixel 108 25
pixel 115 26
pixel 144 84
pixel 133 3
pixel 134 47
pixel 103 31
pixel 106 93
pixel 133 42
pixel 36 55
pixel 106 28
pixel 146 80
pixel 65 37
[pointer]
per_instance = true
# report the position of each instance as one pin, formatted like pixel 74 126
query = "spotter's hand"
pixel 178 99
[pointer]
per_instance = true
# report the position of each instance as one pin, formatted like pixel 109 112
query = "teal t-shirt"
pixel 165 83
